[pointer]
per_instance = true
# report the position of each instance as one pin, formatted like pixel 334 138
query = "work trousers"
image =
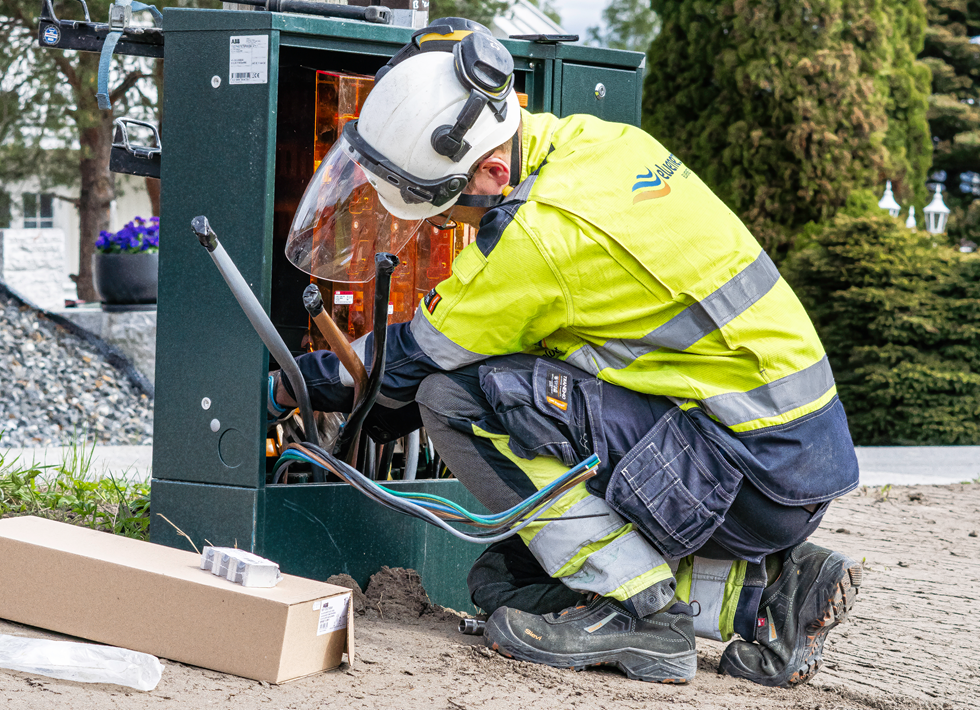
pixel 668 487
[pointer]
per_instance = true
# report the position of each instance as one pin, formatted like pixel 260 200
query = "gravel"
pixel 56 385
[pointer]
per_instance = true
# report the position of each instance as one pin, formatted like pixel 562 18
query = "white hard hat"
pixel 442 103
pixel 429 120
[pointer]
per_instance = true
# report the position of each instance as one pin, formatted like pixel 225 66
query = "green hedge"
pixel 900 318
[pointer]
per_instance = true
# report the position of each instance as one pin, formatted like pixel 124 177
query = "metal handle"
pixel 138 150
pixel 338 343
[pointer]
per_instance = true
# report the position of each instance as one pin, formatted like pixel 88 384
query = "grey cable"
pixel 363 484
pixel 269 335
pixel 412 445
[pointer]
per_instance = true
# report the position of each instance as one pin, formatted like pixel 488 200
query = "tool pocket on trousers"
pixel 543 406
pixel 674 486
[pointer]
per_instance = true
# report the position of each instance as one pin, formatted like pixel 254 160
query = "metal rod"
pixel 375 13
pixel 338 342
pixel 263 326
pixel 384 461
pixel 370 457
pixel 385 264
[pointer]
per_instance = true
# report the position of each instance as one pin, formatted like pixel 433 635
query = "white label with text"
pixel 248 61
pixel 333 614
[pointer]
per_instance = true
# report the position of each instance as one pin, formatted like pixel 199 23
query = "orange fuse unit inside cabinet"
pixel 426 259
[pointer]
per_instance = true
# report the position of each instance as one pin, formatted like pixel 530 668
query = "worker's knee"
pixel 455 395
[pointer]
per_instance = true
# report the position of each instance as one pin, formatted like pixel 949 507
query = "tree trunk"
pixel 97 183
pixel 153 184
pixel 153 191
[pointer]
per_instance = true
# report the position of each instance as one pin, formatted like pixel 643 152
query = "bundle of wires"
pixel 440 511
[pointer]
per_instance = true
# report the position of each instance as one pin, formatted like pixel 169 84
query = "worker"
pixel 611 305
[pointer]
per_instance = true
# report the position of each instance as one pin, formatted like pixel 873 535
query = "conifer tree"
pixel 954 108
pixel 785 108
pixel 627 24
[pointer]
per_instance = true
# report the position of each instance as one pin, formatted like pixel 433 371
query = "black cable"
pixel 384 266
pixel 384 465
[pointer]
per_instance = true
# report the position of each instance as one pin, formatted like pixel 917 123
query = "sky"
pixel 577 15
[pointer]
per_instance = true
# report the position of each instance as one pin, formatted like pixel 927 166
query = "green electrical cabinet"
pixel 239 149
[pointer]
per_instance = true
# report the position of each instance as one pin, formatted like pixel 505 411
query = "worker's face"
pixel 490 178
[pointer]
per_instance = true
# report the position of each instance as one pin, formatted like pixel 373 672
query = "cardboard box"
pixel 158 600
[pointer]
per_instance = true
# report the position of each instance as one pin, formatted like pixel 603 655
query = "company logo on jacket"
pixel 655 179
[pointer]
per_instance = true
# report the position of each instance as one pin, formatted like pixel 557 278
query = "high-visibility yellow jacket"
pixel 615 257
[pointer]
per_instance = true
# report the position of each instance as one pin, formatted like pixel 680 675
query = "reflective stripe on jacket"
pixel 614 256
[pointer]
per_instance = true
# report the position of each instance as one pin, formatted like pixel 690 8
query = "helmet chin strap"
pixel 479 200
pixel 489 201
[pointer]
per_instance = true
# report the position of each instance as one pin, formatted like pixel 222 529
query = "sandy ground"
pixel 911 643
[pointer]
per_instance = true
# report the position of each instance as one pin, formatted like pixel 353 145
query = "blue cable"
pixel 396 502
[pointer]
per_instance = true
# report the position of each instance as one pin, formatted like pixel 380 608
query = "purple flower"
pixel 138 236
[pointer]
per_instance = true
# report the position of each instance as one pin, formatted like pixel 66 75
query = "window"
pixel 38 211
pixel 4 210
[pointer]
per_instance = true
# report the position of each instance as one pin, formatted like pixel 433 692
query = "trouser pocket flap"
pixel 674 486
pixel 544 406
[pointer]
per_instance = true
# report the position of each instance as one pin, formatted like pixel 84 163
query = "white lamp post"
pixel 910 222
pixel 936 213
pixel 887 201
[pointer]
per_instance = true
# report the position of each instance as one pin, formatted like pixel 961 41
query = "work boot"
pixel 657 648
pixel 814 592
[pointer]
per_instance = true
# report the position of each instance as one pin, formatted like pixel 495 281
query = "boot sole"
pixel 833 593
pixel 636 663
pixel 837 585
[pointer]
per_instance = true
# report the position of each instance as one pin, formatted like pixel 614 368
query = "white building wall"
pixel 32 263
pixel 132 200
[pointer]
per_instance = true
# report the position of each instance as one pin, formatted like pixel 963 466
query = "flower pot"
pixel 125 279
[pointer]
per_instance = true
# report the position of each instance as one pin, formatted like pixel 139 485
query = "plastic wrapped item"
pixel 240 567
pixel 82 662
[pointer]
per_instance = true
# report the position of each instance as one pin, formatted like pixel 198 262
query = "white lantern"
pixel 910 222
pixel 887 201
pixel 936 213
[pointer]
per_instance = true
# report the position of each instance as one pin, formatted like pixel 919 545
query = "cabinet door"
pixel 610 94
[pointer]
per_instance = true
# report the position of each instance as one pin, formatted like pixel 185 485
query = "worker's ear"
pixel 491 177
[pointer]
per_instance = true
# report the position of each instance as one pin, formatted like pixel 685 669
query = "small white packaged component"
pixel 240 567
pixel 207 557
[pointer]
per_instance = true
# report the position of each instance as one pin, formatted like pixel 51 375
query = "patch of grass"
pixel 71 493
pixel 882 494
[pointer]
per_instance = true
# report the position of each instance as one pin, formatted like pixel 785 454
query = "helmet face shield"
pixel 340 223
